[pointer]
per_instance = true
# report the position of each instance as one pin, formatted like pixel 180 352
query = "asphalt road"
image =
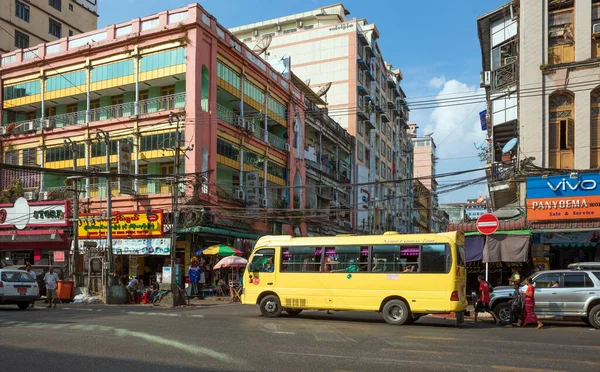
pixel 237 338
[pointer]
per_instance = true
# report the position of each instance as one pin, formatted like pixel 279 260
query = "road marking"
pixel 518 369
pixel 151 313
pixel 314 354
pixel 388 350
pixel 274 328
pixel 79 309
pixel 432 338
pixel 196 316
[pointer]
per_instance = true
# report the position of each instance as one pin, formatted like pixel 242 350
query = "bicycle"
pixel 161 294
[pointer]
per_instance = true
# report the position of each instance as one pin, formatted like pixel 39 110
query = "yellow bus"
pixel 403 276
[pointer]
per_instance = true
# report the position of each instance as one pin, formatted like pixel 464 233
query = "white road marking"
pixel 274 328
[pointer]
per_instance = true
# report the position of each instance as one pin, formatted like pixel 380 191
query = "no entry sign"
pixel 487 224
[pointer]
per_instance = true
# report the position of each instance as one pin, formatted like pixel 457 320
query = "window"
pixel 99 148
pixel 167 101
pixel 360 127
pixel 579 280
pixel 54 28
pixel 228 150
pixel 309 27
pixel 597 274
pixel 252 92
pixel 22 10
pixel 167 58
pixel 503 29
pixel 66 80
pixel 11 157
pixel 16 276
pixel 112 70
pixel 395 258
pixel 349 259
pixel 70 32
pixel 562 131
pixel 561 28
pixel 30 156
pixel 277 108
pixel 504 109
pixel 276 170
pixel 94 110
pixel 21 40
pixel 71 114
pixel 157 141
pixel 71 7
pixel 263 261
pixel 56 4
pixel 361 150
pixel 228 75
pixel 301 259
pixel 436 258
pixel 289 31
pixel 547 281
pixel 595 129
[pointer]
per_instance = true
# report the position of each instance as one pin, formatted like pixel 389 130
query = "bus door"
pixel 261 273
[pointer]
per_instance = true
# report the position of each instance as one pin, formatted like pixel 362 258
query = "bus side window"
pixel 434 258
pixel 263 261
pixel 301 259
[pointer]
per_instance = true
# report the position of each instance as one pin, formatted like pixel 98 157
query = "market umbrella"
pixel 221 250
pixel 231 261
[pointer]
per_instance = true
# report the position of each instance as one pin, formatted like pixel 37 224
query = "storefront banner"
pixel 506 248
pixel 564 197
pixel 24 214
pixel 155 247
pixel 124 225
pixel 569 239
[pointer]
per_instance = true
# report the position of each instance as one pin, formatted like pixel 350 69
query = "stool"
pixel 146 298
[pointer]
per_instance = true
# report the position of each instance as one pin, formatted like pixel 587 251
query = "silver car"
pixel 17 287
pixel 574 292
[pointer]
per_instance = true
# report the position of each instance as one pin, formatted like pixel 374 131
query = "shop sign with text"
pixel 564 197
pixel 155 247
pixel 22 214
pixel 124 225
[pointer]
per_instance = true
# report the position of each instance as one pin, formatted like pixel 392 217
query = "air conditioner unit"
pixel 287 147
pixel 264 202
pixel 239 122
pixel 239 195
pixel 278 28
pixel 255 33
pixel 3 131
pixel 596 28
pixel 29 195
pixel 485 79
pixel 29 126
pixel 47 124
pixel 249 127
pixel 557 33
pixel 44 195
pixel 300 23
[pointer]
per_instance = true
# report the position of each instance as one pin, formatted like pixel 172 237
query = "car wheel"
pixel 396 312
pixel 503 313
pixel 293 312
pixel 594 317
pixel 270 306
pixel 23 305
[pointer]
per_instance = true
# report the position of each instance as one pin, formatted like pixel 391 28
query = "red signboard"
pixel 487 224
pixel 59 256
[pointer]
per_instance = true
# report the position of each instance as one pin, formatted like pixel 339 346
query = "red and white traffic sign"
pixel 487 224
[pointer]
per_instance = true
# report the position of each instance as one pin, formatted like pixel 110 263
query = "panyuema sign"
pixel 124 225
pixel 24 214
pixel 563 197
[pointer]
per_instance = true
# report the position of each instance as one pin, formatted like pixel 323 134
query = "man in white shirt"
pixel 33 275
pixel 51 279
pixel 132 288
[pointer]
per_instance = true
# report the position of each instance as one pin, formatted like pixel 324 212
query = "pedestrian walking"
pixel 34 276
pixel 528 315
pixel 51 280
pixel 516 305
pixel 483 300
pixel 515 278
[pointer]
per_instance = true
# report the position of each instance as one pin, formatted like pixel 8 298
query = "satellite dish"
pixel 510 145
pixel 429 134
pixel 263 44
pixel 323 91
pixel 480 145
pixel 307 82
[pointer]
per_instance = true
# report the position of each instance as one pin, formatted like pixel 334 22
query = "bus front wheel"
pixel 396 312
pixel 270 306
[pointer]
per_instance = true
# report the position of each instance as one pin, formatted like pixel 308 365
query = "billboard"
pixel 565 197
pixel 23 213
pixel 140 224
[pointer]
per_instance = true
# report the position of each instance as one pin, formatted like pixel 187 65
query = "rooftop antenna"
pixel 307 82
pixel 262 45
pixel 429 134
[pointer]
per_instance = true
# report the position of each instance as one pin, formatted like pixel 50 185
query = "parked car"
pixel 17 287
pixel 572 292
pixel 40 271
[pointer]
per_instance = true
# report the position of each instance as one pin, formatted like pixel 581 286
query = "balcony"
pixel 504 76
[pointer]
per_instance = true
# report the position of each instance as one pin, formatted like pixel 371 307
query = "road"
pixel 237 338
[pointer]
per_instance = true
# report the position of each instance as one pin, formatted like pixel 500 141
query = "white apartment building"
pixel 326 48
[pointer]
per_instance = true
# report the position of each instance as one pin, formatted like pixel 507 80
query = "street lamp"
pixel 103 136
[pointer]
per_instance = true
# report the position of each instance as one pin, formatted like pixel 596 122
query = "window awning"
pixel 216 231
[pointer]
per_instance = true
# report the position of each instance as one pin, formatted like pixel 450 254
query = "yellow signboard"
pixel 125 225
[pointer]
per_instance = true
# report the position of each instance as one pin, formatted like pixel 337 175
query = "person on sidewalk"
pixel 132 288
pixel 51 280
pixel 483 301
pixel 34 276
pixel 529 316
pixel 515 278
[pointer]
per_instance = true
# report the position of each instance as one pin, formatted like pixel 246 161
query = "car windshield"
pixel 15 277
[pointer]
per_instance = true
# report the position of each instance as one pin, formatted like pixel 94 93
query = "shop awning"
pixel 474 247
pixel 509 232
pixel 216 231
pixel 504 226
pixel 506 248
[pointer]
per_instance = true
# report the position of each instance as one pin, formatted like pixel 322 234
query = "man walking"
pixel 34 276
pixel 51 280
pixel 483 301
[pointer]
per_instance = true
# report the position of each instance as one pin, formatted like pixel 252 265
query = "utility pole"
pixel 101 135
pixel 174 214
pixel 73 145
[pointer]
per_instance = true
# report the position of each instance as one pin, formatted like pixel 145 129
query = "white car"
pixel 17 287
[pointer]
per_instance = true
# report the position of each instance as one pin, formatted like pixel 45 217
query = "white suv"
pixel 17 287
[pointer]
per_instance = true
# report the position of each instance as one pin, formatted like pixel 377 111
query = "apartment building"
pixel 241 124
pixel 424 150
pixel 422 211
pixel 328 49
pixel 27 23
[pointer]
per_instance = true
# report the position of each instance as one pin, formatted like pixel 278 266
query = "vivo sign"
pixel 566 184
pixel 563 186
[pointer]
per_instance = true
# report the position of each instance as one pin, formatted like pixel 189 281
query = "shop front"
pixel 33 231
pixel 564 214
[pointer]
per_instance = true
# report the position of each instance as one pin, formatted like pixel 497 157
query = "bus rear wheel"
pixel 396 312
pixel 270 306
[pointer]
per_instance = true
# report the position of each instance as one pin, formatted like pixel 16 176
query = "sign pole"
pixel 487 224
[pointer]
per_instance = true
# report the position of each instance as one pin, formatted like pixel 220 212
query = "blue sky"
pixel 433 42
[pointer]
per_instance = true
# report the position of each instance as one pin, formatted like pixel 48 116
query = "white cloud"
pixel 437 82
